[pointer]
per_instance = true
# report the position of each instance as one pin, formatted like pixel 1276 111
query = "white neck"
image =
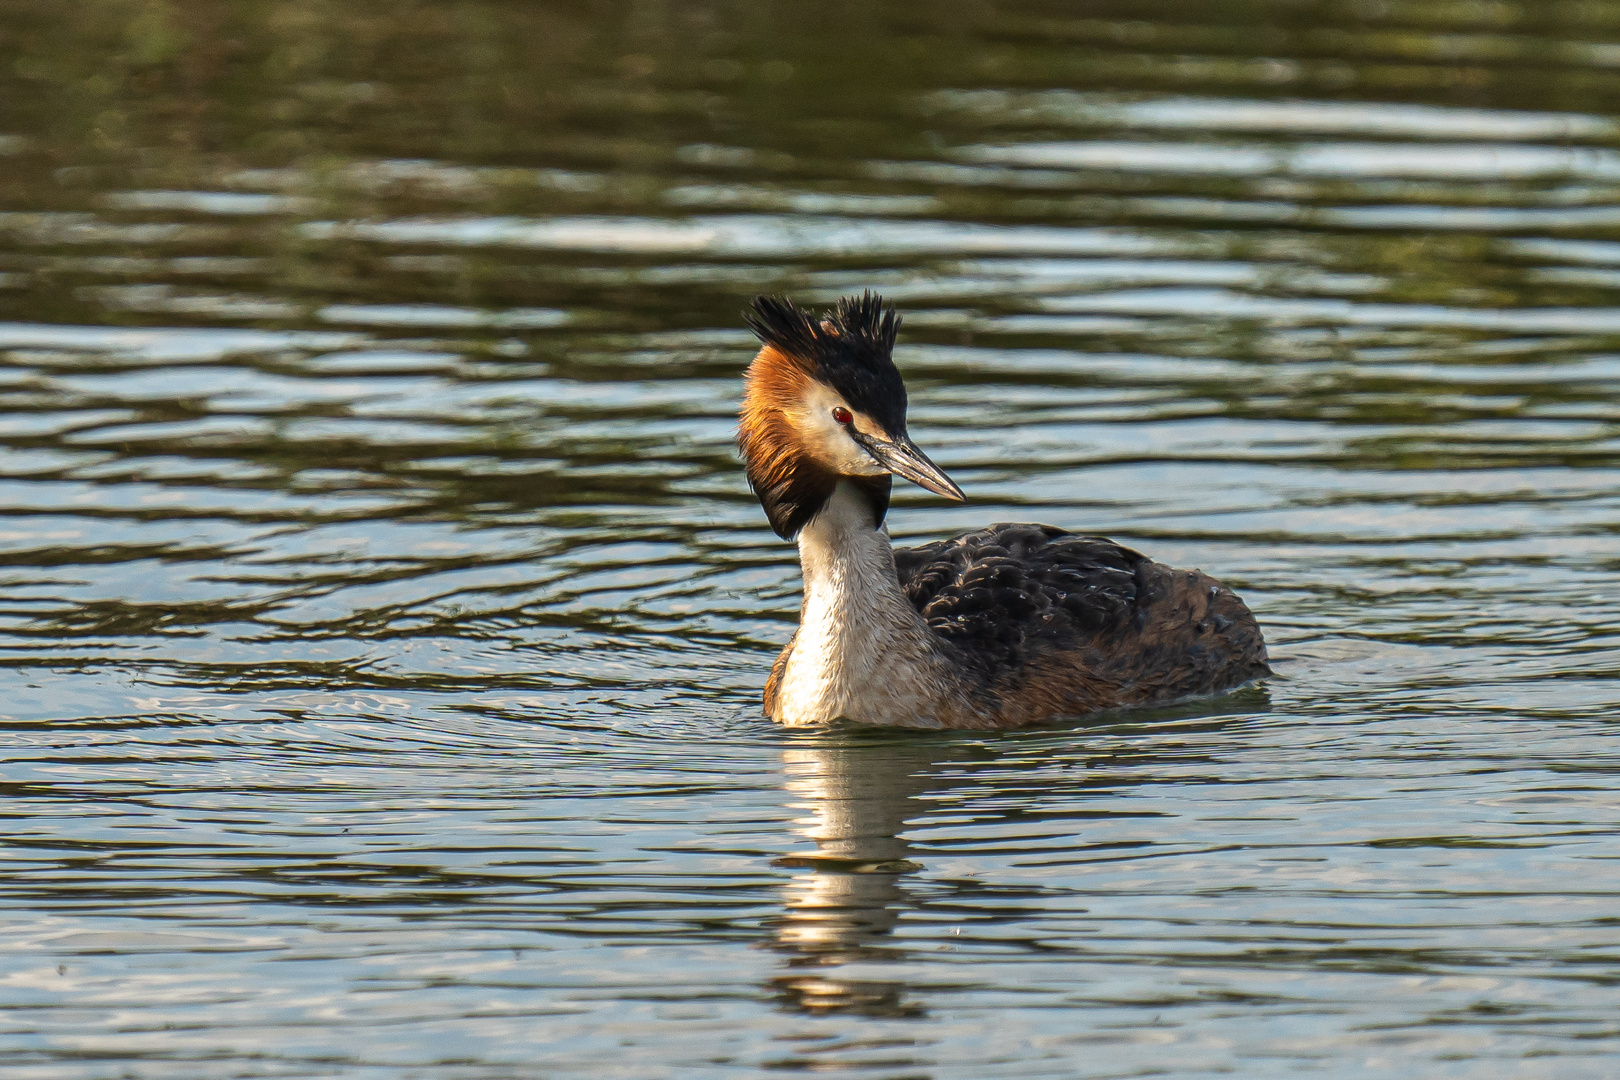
pixel 862 653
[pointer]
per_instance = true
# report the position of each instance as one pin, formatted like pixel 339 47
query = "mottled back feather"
pixel 1005 592
pixel 1033 609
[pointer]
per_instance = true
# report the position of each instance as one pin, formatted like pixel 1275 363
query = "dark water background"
pixel 384 610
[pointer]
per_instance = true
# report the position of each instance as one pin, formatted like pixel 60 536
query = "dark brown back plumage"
pixel 1048 623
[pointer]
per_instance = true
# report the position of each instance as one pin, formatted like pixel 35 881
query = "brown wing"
pixel 1010 591
pixel 1079 622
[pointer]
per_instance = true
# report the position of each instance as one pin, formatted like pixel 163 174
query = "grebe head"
pixel 824 402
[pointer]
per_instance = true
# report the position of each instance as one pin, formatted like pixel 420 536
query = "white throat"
pixel 862 653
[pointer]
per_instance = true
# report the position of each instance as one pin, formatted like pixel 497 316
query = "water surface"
pixel 385 611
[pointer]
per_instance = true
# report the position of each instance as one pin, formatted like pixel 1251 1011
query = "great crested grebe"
pixel 1007 626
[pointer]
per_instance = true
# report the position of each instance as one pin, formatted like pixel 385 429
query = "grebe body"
pixel 1003 627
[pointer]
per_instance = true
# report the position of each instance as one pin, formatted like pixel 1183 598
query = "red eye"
pixel 841 415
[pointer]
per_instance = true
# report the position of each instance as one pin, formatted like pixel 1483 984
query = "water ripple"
pixel 385 611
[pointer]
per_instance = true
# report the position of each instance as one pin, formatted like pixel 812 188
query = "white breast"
pixel 862 653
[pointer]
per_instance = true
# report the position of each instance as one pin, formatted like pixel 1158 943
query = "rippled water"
pixel 385 611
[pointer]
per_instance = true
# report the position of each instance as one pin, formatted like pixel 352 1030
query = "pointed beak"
pixel 902 458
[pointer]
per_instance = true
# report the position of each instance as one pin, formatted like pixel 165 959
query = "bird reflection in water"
pixel 862 790
pixel 842 908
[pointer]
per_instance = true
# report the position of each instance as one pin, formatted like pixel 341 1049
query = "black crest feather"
pixel 849 348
